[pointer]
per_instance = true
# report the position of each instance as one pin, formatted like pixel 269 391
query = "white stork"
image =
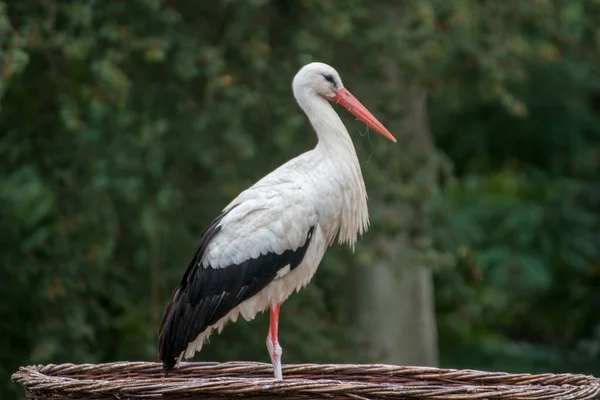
pixel 269 240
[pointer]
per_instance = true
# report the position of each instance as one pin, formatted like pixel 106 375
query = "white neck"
pixel 330 129
pixel 336 145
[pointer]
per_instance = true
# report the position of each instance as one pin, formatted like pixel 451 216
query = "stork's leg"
pixel 273 343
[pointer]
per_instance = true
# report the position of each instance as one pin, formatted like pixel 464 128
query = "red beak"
pixel 350 103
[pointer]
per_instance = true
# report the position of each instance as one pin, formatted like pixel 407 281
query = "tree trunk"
pixel 396 306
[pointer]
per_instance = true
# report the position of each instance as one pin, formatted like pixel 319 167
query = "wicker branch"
pixel 144 380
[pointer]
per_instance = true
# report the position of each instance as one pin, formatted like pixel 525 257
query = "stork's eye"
pixel 329 79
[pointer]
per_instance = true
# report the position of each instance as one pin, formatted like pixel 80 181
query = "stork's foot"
pixel 275 352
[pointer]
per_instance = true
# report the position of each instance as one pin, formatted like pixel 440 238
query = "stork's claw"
pixel 275 352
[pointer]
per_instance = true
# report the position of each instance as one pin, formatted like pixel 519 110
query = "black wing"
pixel 206 294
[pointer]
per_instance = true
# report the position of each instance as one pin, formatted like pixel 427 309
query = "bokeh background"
pixel 126 126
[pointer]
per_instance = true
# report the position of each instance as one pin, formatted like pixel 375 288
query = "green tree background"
pixel 125 126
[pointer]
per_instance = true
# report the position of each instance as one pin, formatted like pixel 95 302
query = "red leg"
pixel 273 343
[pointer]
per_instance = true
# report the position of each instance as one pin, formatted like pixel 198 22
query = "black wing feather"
pixel 206 294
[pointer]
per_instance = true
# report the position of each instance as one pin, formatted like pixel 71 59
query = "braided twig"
pixel 129 380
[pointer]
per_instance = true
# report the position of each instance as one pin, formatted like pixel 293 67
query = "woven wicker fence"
pixel 143 380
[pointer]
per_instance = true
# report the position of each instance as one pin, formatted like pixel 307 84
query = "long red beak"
pixel 350 103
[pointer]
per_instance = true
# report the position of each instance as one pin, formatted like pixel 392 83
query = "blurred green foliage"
pixel 126 126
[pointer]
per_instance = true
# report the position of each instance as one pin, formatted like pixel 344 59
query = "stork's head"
pixel 321 80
